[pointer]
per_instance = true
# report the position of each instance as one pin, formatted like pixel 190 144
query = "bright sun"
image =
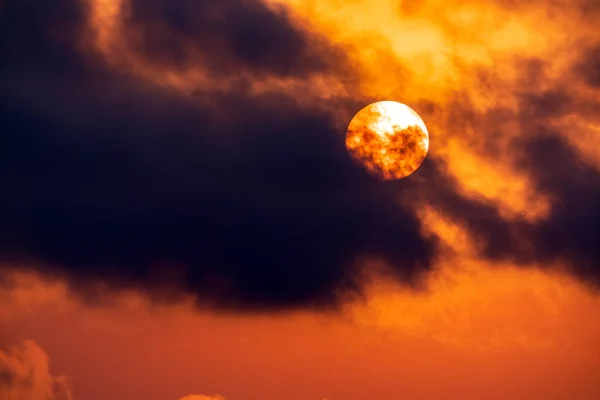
pixel 389 139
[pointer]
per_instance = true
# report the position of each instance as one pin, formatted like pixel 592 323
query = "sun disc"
pixel 389 139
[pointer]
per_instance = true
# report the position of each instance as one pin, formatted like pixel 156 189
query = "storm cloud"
pixel 245 200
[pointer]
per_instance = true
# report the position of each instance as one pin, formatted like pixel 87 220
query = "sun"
pixel 389 139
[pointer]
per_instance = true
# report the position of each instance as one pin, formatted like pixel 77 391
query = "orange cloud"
pixel 469 61
pixel 25 374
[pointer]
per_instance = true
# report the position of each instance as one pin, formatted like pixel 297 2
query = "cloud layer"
pixel 184 148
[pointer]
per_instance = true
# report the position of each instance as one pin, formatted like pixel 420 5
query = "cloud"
pixel 143 149
pixel 589 65
pixel 227 37
pixel 24 374
pixel 558 220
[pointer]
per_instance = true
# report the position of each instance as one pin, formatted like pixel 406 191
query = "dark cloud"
pixel 227 36
pixel 40 35
pixel 589 66
pixel 571 231
pixel 246 200
pixel 492 232
pixel 568 233
pixel 557 170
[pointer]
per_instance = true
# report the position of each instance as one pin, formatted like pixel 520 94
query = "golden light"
pixel 388 138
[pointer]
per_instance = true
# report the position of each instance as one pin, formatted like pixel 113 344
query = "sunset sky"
pixel 180 218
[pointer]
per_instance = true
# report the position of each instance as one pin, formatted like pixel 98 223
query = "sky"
pixel 180 219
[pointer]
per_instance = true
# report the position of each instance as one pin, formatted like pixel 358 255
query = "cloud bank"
pixel 198 149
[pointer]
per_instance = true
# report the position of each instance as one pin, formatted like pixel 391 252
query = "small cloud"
pixel 203 397
pixel 25 374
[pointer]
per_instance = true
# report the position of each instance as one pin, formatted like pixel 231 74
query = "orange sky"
pixel 479 329
pixel 505 335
